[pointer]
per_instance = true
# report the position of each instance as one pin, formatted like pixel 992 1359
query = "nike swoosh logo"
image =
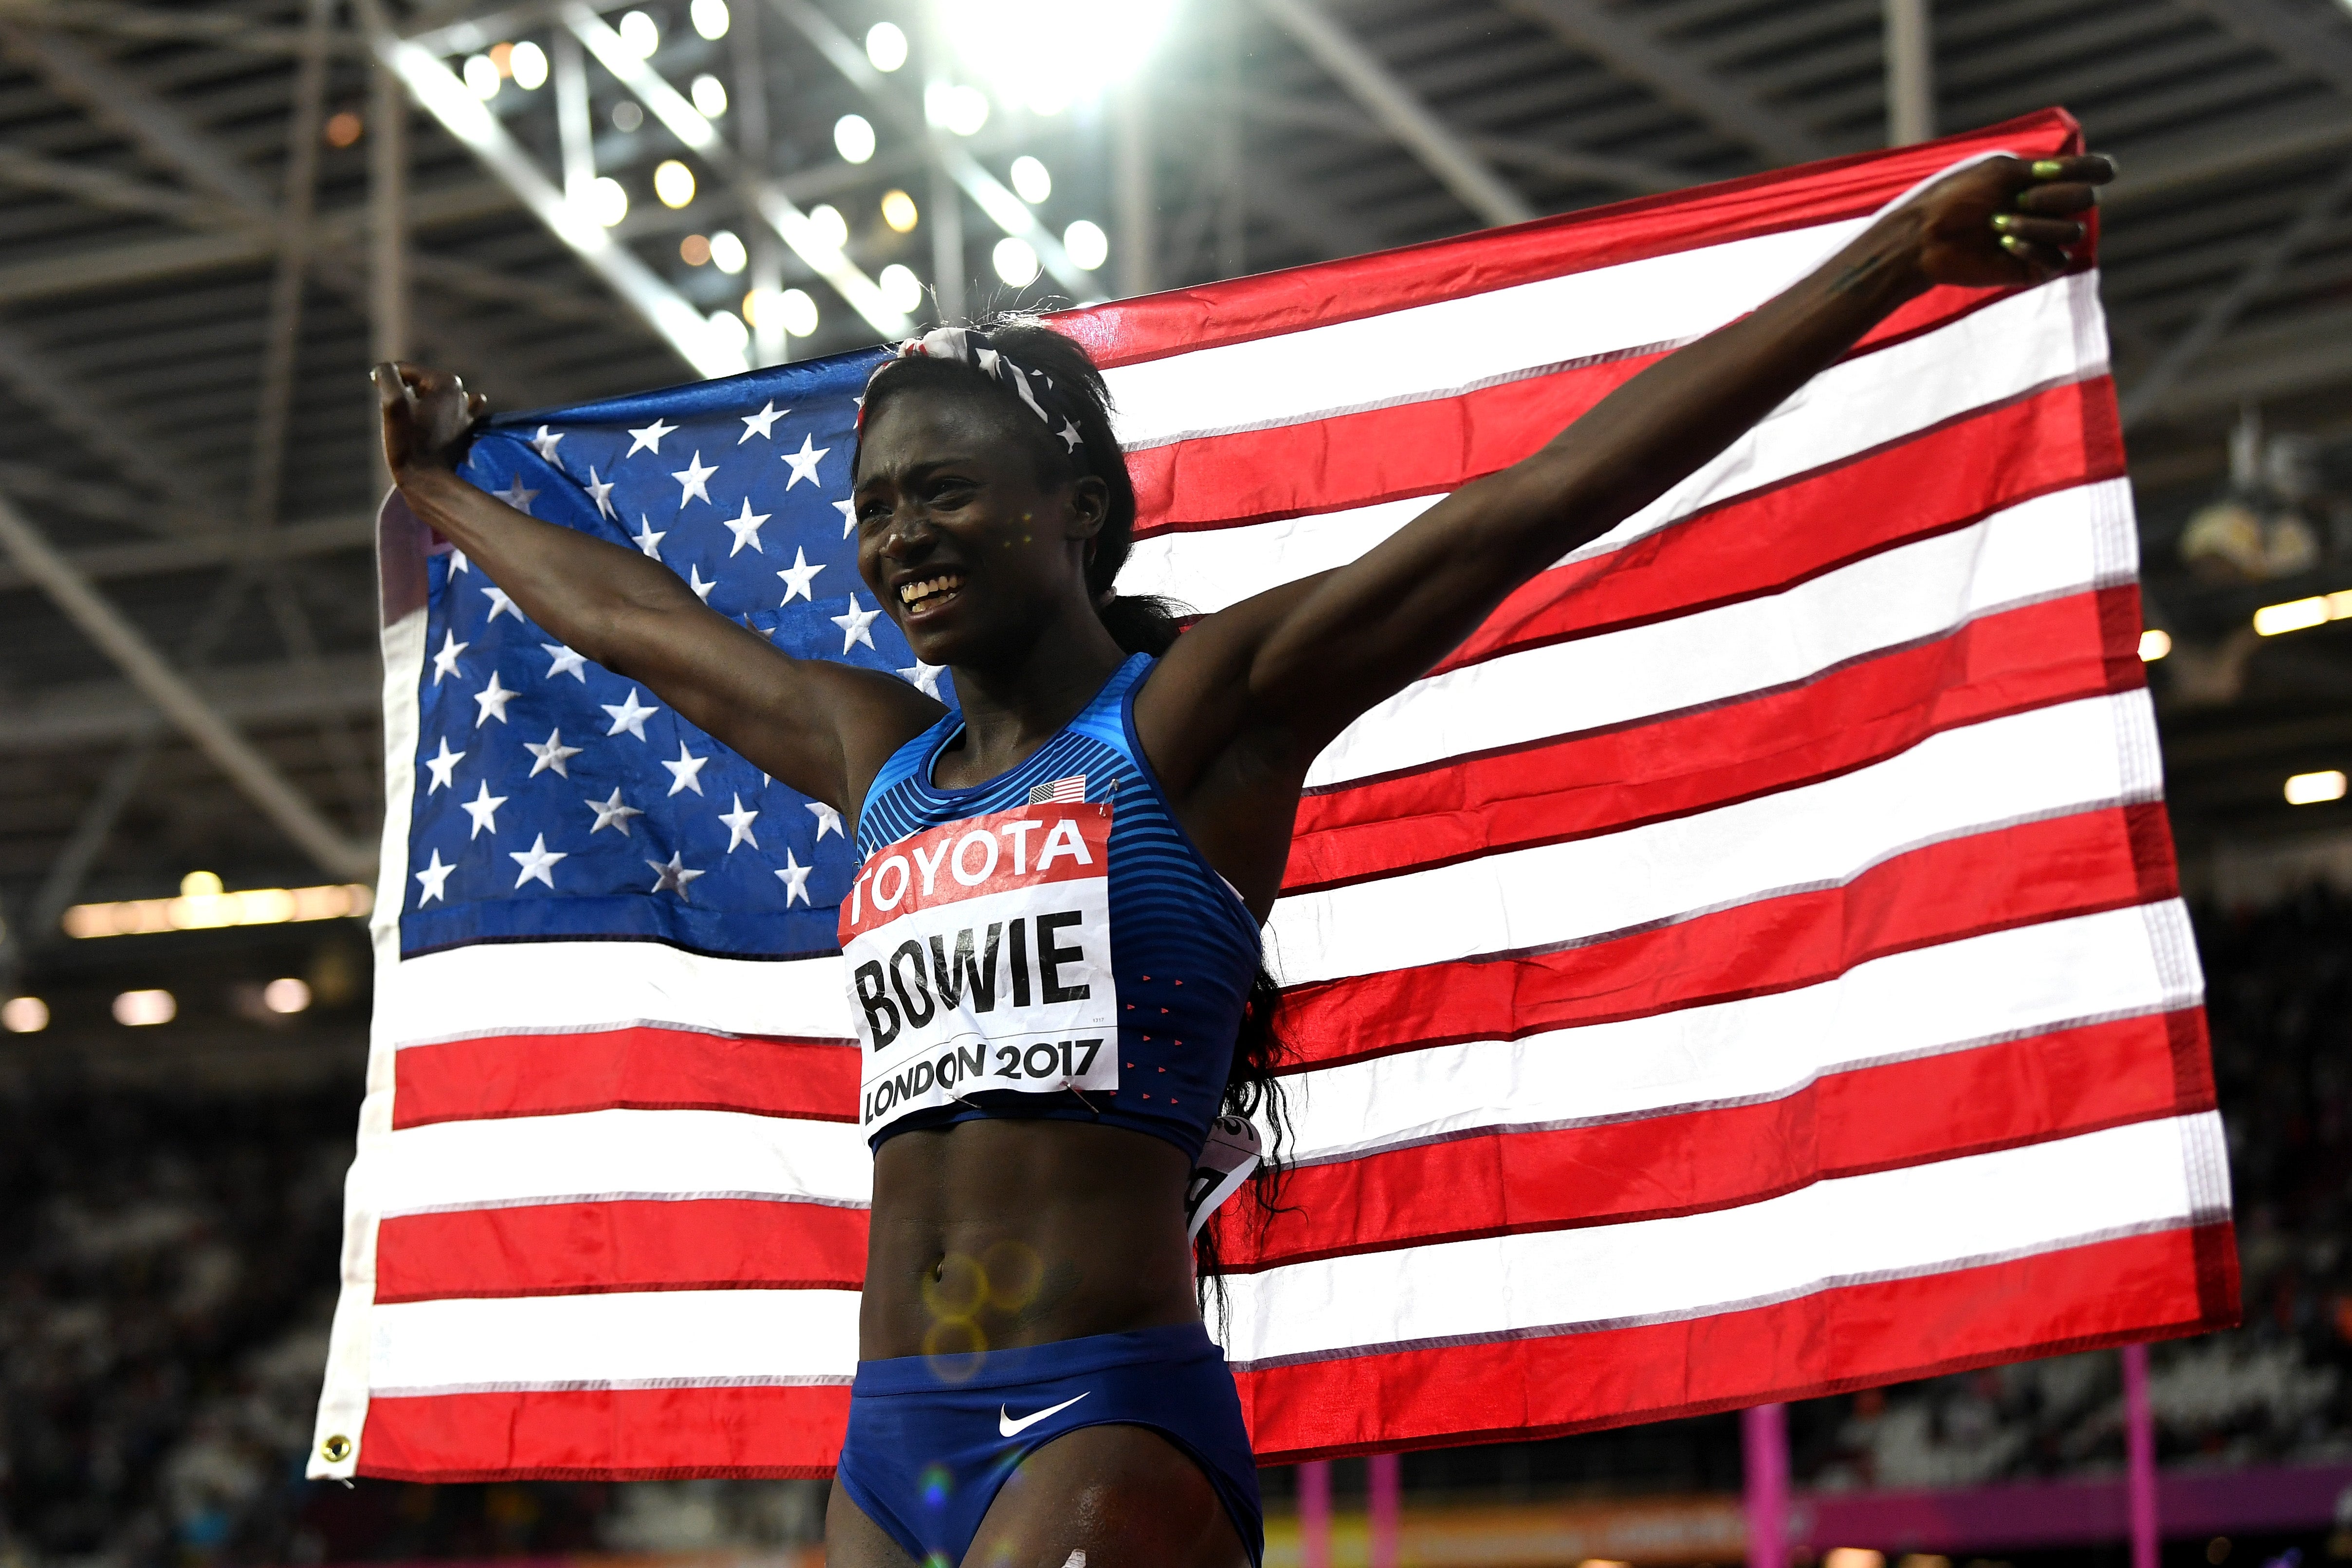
pixel 1012 1429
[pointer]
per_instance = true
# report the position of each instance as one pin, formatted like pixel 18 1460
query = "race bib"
pixel 979 958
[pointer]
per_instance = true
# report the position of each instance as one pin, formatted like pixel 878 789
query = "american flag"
pixel 1751 966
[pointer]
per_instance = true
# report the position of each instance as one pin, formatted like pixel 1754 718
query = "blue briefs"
pixel 932 1438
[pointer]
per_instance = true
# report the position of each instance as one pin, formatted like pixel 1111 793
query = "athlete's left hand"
pixel 2003 222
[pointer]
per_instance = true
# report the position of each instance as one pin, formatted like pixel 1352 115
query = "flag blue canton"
pixel 555 799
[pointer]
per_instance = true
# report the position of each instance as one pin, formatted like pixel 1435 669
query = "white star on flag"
pixel 494 699
pixel 445 661
pixel 924 677
pixel 854 624
pixel 694 480
pixel 1069 434
pixel 515 496
pixel 649 439
pixel 566 663
pixel 804 461
pixel 827 820
pixel 500 604
pixel 457 562
pixel 484 809
pixel 647 538
pixel 612 812
pixel 757 423
pixel 436 873
pixel 544 443
pixel 694 581
pixel 683 772
pixel 673 878
pixel 628 716
pixel 551 755
pixel 798 576
pixel 443 766
pixel 848 515
pixel 739 826
pixel 795 877
pixel 745 527
pixel 599 491
pixel 537 861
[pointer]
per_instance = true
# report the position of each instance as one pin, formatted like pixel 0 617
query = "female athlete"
pixel 1050 1028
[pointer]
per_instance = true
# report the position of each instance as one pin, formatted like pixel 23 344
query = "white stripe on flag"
pixel 2045 761
pixel 2002 985
pixel 548 987
pixel 1888 1224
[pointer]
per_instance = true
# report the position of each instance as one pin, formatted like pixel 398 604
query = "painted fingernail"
pixel 2003 222
pixel 2013 245
pixel 2047 168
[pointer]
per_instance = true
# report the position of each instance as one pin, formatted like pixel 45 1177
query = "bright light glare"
pixel 1089 246
pixel 1031 181
pixel 139 1009
pixel 886 45
pixel 954 107
pixel 710 95
pixel 482 76
pixel 1017 263
pixel 286 996
pixel 830 226
pixel 2310 789
pixel 853 138
pixel 529 63
pixel 898 211
pixel 2296 615
pixel 799 313
pixel 726 253
pixel 710 18
pixel 1035 51
pixel 606 202
pixel 901 290
pixel 728 328
pixel 2154 645
pixel 202 905
pixel 24 1014
pixel 1853 1557
pixel 639 35
pixel 673 183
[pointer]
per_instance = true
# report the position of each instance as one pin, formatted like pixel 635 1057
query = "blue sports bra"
pixel 1047 945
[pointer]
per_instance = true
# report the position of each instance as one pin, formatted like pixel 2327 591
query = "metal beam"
pixel 86 713
pixel 106 563
pixel 1611 36
pixel 1134 171
pixel 691 126
pixel 38 381
pixel 439 93
pixel 1400 110
pixel 389 257
pixel 1004 209
pixel 2318 210
pixel 99 187
pixel 2315 41
pixel 282 322
pixel 255 774
pixel 1910 73
pixel 186 26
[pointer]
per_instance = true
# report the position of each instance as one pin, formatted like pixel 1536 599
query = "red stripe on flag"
pixel 2074 864
pixel 2139 1286
pixel 640 1067
pixel 620 1435
pixel 630 1244
pixel 1878 1118
pixel 1246 309
pixel 1613 779
pixel 1769 540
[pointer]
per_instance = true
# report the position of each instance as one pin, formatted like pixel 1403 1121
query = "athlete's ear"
pixel 1089 505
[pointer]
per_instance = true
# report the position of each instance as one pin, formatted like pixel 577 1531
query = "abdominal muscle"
pixel 1001 1232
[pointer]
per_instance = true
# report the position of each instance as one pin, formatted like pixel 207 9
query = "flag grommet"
pixel 335 1449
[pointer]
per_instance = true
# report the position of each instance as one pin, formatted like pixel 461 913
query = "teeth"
pixel 912 593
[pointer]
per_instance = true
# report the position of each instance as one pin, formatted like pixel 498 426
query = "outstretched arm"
pixel 1254 692
pixel 822 728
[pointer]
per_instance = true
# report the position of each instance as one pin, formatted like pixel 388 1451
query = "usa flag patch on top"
pixel 1070 791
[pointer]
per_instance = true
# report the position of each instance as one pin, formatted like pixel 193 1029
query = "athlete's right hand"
pixel 429 418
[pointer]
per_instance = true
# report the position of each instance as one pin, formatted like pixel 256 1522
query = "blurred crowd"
pixel 168 1266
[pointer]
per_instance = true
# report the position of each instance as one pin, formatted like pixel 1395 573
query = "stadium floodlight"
pixel 1031 180
pixel 1033 52
pixel 853 138
pixel 529 64
pixel 886 45
pixel 1016 262
pixel 710 18
pixel 2310 789
pixel 1089 246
